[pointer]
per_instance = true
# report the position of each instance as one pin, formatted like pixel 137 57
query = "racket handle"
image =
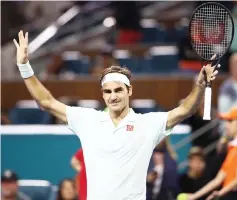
pixel 207 104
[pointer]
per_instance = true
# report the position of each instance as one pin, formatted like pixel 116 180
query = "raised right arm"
pixel 44 98
pixel 41 95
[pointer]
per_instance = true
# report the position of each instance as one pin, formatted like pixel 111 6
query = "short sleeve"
pixel 157 122
pixel 79 119
pixel 231 155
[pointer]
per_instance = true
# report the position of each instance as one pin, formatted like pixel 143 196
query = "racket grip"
pixel 207 104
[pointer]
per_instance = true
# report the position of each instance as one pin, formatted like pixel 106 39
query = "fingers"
pixel 213 57
pixel 23 41
pixel 21 37
pixel 16 44
pixel 26 38
pixel 214 74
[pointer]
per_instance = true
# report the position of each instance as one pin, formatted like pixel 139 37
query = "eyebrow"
pixel 118 89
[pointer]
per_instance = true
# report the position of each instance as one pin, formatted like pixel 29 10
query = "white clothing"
pixel 117 158
pixel 159 169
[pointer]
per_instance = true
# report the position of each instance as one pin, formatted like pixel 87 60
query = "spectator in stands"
pixel 78 164
pixel 67 190
pixel 228 90
pixel 196 176
pixel 228 172
pixel 4 118
pixel 127 15
pixel 162 179
pixel 9 187
pixel 102 61
pixel 57 67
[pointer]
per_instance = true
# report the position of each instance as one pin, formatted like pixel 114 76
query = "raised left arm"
pixel 189 106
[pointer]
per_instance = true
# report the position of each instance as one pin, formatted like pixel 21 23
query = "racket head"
pixel 214 37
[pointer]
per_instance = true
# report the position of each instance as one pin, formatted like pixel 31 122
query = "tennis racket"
pixel 211 31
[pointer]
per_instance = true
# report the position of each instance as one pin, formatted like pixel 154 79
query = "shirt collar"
pixel 130 117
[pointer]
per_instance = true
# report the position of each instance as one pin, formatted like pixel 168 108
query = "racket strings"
pixel 211 31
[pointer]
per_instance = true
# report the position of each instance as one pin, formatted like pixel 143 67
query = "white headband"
pixel 115 77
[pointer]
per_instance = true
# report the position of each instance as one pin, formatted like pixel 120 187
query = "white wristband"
pixel 25 70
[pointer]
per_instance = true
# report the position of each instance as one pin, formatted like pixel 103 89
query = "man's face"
pixel 116 95
pixel 9 189
pixel 196 164
pixel 231 128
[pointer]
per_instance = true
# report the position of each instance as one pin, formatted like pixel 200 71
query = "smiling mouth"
pixel 114 103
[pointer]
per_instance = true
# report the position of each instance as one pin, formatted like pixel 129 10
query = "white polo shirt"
pixel 117 158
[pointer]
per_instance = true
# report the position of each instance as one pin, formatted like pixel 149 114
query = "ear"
pixel 130 91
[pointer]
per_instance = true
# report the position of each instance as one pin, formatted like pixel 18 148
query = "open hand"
pixel 22 48
pixel 208 73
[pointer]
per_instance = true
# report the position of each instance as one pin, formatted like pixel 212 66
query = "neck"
pixel 119 115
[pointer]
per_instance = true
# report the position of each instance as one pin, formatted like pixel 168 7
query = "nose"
pixel 113 97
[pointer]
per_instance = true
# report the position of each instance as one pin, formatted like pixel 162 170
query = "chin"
pixel 115 108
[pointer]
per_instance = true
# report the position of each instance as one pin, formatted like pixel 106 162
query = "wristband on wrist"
pixel 25 70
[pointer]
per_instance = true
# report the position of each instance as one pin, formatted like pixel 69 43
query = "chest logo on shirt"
pixel 130 128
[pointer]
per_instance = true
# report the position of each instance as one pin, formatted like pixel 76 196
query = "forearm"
pixel 187 108
pixel 193 100
pixel 38 91
pixel 76 167
pixel 206 189
pixel 228 188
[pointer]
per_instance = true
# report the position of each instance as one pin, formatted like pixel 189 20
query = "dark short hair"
pixel 116 69
pixel 196 151
pixel 9 176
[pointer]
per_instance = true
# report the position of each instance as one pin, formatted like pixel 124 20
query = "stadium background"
pixel 70 44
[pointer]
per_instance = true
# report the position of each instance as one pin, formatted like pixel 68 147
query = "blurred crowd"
pixel 129 30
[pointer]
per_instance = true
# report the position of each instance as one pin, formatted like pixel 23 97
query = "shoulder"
pixel 83 112
pixel 226 86
pixel 155 118
pixel 151 115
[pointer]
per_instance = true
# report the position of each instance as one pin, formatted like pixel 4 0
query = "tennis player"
pixel 118 144
pixel 227 175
